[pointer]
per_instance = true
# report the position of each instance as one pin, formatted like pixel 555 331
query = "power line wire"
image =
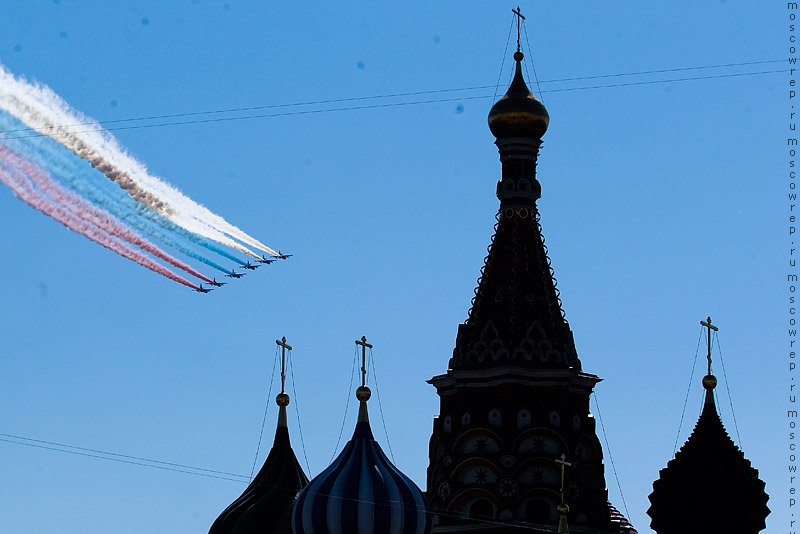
pixel 688 389
pixel 121 458
pixel 266 409
pixel 96 125
pixel 728 389
pixel 610 457
pixel 505 53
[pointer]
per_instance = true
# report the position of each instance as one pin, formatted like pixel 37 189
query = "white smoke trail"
pixel 46 113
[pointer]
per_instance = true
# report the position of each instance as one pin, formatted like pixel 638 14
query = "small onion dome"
pixel 361 492
pixel 518 113
pixel 265 507
pixel 709 486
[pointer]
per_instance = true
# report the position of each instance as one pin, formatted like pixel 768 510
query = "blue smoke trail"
pixel 80 177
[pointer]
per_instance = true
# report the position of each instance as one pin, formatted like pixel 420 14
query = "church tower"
pixel 514 443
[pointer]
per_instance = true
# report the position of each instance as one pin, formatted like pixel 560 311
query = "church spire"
pixel 265 506
pixel 516 314
pixel 709 486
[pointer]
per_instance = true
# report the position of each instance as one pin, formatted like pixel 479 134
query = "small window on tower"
pixel 555 419
pixel 576 422
pixel 494 418
pixel 523 418
pixel 465 419
pixel 448 424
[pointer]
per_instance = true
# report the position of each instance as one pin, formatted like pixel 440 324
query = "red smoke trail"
pixel 89 212
pixel 21 186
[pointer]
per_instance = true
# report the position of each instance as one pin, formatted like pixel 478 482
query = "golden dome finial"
pixel 709 381
pixel 518 113
pixel 282 399
pixel 363 393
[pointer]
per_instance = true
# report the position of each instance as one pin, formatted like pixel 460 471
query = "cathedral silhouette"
pixel 514 447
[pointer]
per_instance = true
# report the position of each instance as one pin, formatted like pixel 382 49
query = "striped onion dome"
pixel 266 504
pixel 361 492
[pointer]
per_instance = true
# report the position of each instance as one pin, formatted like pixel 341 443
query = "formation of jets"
pixel 247 265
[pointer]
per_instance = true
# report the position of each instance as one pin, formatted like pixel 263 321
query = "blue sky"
pixel 661 205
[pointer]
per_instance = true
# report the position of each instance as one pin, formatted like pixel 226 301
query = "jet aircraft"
pixel 234 274
pixel 214 282
pixel 202 289
pixel 251 267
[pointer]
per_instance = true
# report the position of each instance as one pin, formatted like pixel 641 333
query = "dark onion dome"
pixel 621 521
pixel 265 507
pixel 518 113
pixel 361 492
pixel 709 486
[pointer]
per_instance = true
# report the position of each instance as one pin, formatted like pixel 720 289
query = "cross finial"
pixel 563 509
pixel 364 347
pixel 518 13
pixel 710 327
pixel 284 346
pixel 564 463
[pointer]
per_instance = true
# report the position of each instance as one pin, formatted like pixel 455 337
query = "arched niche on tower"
pixel 589 478
pixel 435 476
pixel 478 441
pixel 554 418
pixel 537 506
pixel 587 450
pixel 462 503
pixel 523 418
pixel 540 440
pixel 447 425
pixel 539 472
pixel 476 471
pixel 437 449
pixel 495 418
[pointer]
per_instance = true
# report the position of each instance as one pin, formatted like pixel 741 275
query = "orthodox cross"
pixel 564 463
pixel 284 346
pixel 518 13
pixel 710 327
pixel 364 347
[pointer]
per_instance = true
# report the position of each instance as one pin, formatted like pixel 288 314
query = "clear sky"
pixel 661 205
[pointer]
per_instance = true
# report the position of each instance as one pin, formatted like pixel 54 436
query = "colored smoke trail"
pixel 82 179
pixel 88 212
pixel 23 189
pixel 46 113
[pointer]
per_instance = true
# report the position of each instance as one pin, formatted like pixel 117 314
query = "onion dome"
pixel 265 506
pixel 624 526
pixel 518 113
pixel 361 491
pixel 709 486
